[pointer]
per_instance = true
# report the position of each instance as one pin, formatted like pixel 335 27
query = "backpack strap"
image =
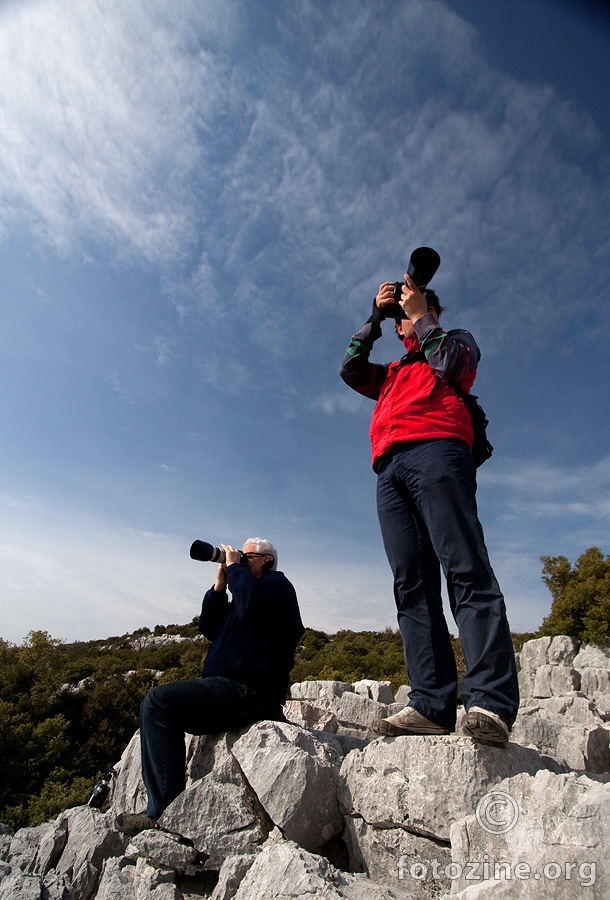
pixel 481 448
pixel 413 356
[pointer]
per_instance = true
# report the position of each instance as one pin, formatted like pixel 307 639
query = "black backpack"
pixel 481 448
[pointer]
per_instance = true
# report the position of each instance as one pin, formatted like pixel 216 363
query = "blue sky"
pixel 199 202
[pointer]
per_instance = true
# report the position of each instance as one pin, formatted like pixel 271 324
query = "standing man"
pixel 421 435
pixel 244 679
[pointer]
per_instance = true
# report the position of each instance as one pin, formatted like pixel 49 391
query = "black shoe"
pixel 133 823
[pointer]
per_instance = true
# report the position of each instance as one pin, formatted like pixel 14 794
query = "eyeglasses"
pixel 250 555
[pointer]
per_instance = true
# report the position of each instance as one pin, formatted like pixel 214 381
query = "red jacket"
pixel 415 400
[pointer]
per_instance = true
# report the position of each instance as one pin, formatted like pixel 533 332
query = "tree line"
pixel 67 710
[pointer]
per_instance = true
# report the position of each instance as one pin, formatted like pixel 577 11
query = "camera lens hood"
pixel 423 265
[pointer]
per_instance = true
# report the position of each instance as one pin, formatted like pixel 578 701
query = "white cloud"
pixel 540 489
pixel 16 500
pixel 270 165
pixel 83 579
pixel 95 116
pixel 345 400
pixel 142 125
pixel 121 392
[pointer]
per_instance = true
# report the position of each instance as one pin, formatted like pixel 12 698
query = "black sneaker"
pixel 133 823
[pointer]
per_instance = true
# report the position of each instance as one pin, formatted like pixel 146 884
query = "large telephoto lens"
pixel 423 264
pixel 205 552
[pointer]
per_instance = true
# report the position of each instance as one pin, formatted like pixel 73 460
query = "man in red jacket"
pixel 421 436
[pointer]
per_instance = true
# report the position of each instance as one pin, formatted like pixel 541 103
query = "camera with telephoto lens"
pixel 205 552
pixel 422 266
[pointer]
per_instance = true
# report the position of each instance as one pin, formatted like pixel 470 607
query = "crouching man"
pixel 245 674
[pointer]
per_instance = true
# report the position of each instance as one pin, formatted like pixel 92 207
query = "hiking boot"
pixel 133 823
pixel 407 721
pixel 485 727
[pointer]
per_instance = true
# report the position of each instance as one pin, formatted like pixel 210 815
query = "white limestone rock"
pixel 558 651
pixel 164 850
pixel 231 874
pixel 37 850
pixel 16 885
pixel 285 871
pixel 573 706
pixel 381 691
pixel 355 711
pixel 154 882
pixel 385 854
pixel 402 695
pixel 602 706
pixel 556 820
pixel 293 773
pixel 127 791
pixel 319 690
pixel 208 751
pixel 354 707
pixel 549 681
pixel 424 783
pixel 116 879
pixel 594 680
pixel 219 814
pixel 582 747
pixel 593 656
pixel 91 839
pixel 304 714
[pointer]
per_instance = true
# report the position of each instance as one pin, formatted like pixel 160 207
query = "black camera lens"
pixel 205 552
pixel 422 266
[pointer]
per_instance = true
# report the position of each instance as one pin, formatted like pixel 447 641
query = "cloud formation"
pixel 150 129
pixel 231 182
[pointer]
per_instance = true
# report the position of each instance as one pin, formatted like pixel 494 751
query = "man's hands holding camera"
pixel 232 555
pixel 412 301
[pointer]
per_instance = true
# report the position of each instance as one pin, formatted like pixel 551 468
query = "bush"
pixel 581 596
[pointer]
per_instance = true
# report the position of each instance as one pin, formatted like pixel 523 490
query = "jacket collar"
pixel 412 343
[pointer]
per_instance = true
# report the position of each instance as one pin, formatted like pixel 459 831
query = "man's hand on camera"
pixel 385 295
pixel 412 300
pixel 232 554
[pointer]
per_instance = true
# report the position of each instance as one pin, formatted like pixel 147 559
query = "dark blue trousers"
pixel 426 502
pixel 198 706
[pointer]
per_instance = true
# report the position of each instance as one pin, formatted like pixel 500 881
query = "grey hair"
pixel 263 546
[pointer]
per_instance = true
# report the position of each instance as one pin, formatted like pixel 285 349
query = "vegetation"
pixel 581 596
pixel 350 656
pixel 67 712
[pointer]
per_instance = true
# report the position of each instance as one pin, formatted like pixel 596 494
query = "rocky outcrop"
pixel 321 806
pixel 162 640
pixel 565 702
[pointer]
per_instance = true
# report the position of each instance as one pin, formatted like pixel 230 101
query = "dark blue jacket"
pixel 255 634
